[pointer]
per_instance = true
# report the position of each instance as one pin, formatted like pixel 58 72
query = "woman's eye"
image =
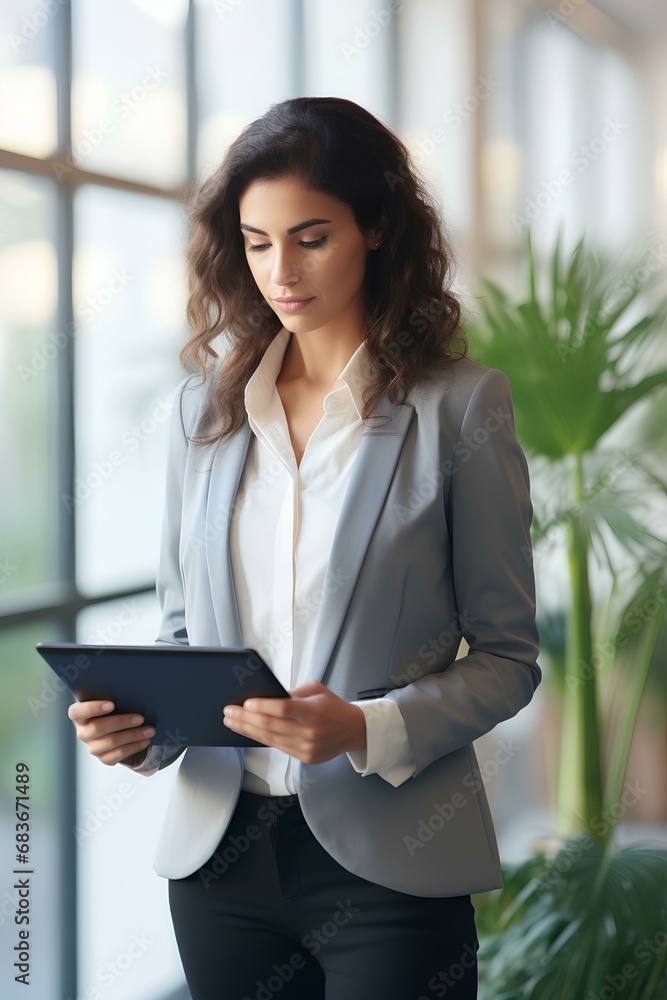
pixel 313 243
pixel 308 244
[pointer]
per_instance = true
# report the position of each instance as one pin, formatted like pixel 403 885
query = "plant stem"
pixel 580 771
pixel 620 753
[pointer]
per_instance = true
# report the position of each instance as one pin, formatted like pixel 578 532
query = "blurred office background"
pixel 106 112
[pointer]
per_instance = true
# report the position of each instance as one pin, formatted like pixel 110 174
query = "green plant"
pixel 588 924
pixel 576 360
pixel 591 923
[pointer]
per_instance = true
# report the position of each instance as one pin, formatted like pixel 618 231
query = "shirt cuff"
pixel 151 762
pixel 388 751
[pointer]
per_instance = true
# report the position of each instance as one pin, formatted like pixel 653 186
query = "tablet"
pixel 181 690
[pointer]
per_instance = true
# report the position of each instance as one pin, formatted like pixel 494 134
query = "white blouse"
pixel 280 541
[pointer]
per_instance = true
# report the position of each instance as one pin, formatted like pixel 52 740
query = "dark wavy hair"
pixel 335 146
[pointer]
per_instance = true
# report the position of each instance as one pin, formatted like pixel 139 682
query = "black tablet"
pixel 181 690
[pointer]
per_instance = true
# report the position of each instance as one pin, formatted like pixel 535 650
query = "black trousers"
pixel 272 914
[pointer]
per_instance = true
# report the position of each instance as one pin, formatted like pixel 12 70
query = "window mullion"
pixel 63 448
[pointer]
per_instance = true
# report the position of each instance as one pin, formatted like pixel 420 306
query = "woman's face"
pixel 323 261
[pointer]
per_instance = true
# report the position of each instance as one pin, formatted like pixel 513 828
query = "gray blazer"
pixel 433 542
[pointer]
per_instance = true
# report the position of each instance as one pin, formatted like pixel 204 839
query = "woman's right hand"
pixel 113 739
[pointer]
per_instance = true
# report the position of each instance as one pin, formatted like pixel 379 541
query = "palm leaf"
pixel 593 916
pixel 560 357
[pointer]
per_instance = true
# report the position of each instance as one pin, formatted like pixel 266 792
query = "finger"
pixel 285 743
pixel 263 706
pixel 123 753
pixel 278 707
pixel 115 741
pixel 103 725
pixel 273 724
pixel 293 740
pixel 81 711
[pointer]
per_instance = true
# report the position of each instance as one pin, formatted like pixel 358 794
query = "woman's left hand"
pixel 313 725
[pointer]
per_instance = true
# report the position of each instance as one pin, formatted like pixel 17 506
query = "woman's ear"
pixel 382 227
pixel 378 233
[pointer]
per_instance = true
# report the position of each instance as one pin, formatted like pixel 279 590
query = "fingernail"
pixel 148 732
pixel 136 720
pixel 106 706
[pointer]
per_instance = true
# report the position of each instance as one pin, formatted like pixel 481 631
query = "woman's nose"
pixel 285 266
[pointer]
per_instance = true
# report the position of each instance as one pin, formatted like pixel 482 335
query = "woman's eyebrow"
pixel 290 232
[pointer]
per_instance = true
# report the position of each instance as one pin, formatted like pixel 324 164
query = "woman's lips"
pixel 292 305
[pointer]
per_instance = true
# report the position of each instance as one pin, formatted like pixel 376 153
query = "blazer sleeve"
pixel 169 583
pixel 489 512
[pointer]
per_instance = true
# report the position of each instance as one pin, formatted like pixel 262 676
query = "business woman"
pixel 345 494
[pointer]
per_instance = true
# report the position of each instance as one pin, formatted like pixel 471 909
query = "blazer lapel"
pixel 224 481
pixel 372 472
pixel 371 477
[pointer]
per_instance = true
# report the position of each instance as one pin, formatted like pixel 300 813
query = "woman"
pixel 354 501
